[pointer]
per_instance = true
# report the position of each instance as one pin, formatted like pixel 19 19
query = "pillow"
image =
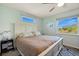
pixel 28 34
pixel 19 35
pixel 36 33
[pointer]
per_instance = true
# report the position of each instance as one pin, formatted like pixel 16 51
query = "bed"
pixel 41 45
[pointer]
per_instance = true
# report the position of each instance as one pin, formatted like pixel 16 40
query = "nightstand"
pixel 7 45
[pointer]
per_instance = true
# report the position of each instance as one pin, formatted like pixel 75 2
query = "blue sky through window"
pixel 26 19
pixel 67 22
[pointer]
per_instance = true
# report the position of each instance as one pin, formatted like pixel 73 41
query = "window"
pixel 26 19
pixel 68 25
pixel 28 24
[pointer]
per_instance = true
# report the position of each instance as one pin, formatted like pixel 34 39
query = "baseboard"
pixel 71 47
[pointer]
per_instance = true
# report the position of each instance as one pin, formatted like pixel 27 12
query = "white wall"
pixel 69 40
pixel 46 29
pixel 9 16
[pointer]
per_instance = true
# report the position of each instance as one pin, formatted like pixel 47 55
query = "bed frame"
pixel 53 50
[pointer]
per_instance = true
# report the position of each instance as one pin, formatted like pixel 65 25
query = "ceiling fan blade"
pixel 51 9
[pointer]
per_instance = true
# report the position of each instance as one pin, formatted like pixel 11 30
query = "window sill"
pixel 68 34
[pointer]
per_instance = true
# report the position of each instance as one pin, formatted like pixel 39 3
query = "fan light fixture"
pixel 54 7
pixel 60 4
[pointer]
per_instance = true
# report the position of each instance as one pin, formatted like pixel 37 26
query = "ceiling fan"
pixel 56 4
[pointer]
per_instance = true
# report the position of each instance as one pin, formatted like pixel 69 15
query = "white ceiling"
pixel 42 10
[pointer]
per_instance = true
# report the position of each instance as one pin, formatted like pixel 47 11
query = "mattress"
pixel 32 46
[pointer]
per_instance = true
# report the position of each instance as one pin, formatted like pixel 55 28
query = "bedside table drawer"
pixel 6 45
